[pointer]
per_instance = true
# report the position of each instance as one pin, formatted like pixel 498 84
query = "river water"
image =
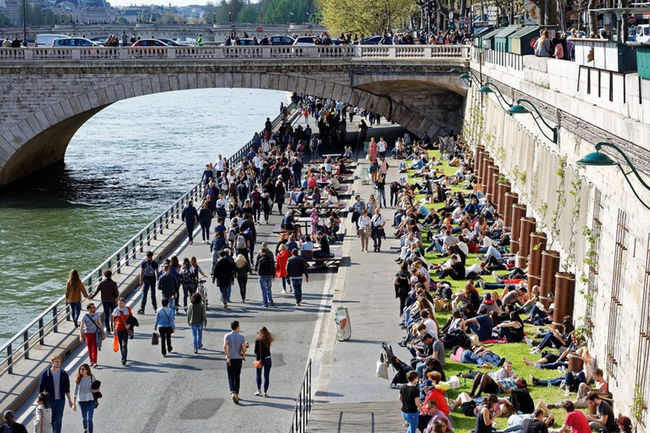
pixel 123 167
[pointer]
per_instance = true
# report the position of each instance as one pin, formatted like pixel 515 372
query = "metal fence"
pixel 34 333
pixel 304 403
pixel 235 52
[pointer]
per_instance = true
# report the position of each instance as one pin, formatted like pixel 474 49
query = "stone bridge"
pixel 46 94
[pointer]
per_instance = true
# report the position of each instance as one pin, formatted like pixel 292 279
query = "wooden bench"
pixel 278 230
pixel 334 260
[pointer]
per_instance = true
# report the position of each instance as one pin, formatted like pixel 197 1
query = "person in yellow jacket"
pixel 73 291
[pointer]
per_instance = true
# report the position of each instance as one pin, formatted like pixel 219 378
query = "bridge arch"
pixel 42 137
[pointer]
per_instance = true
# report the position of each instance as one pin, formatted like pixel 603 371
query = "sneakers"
pixel 481 284
pixel 284 292
pixel 266 395
pixel 534 380
pixel 258 393
pixel 529 341
pixel 196 350
pixel 140 311
pixel 496 276
pixel 272 304
pixel 235 398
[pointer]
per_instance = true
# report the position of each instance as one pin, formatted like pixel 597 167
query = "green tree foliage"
pixel 366 16
pixel 4 20
pixel 249 14
pixel 284 11
pixel 264 11
pixel 169 17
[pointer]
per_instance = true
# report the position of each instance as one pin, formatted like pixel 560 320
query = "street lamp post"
pixel 24 23
pixel 601 160
pixel 487 88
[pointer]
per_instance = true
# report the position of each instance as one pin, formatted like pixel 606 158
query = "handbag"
pixel 257 364
pixel 154 339
pixel 116 344
pixel 382 367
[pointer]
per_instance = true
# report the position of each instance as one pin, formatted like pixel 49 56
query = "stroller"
pixel 398 365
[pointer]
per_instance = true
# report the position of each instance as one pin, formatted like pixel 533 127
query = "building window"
pixel 643 357
pixel 613 331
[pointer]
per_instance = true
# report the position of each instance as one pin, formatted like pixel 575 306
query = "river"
pixel 122 168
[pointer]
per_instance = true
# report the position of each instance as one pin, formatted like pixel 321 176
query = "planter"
pixel 528 226
pixel 510 199
pixel 550 266
pixel 502 189
pixel 518 212
pixel 537 246
pixel 565 284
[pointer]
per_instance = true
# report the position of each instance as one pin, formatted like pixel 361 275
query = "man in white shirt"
pixel 220 165
pixel 381 147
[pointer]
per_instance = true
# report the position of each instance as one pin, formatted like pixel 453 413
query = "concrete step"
pixel 370 417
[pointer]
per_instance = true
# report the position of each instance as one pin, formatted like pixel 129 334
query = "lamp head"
pixel 596 159
pixel 464 76
pixel 517 109
pixel 485 89
pixel 455 70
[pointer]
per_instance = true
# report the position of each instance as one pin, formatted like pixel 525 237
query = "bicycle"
pixel 203 292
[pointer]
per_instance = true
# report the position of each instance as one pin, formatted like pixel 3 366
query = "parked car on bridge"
pixel 643 33
pixel 304 41
pixel 377 40
pixel 46 39
pixel 149 43
pixel 74 42
pixel 281 40
pixel 170 42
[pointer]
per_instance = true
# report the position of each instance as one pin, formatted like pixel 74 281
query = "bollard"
pixel 510 199
pixel 537 246
pixel 527 227
pixel 503 188
pixel 564 296
pixel 518 212
pixel 550 266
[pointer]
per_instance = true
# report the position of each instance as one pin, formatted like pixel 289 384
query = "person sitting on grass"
pixel 604 419
pixel 495 381
pixel 575 421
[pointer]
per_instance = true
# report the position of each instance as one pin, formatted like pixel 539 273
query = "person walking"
pixel 243 269
pixel 84 390
pixel 296 268
pixel 281 267
pixel 266 271
pixel 92 333
pixel 197 318
pixel 377 224
pixel 56 382
pixel 223 273
pixel 409 396
pixel 263 359
pixel 235 346
pixel 364 230
pixel 191 217
pixel 168 284
pixel 42 415
pixel 148 273
pixel 165 325
pixel 205 219
pixel 74 288
pixel 109 293
pixel 188 280
pixel 121 326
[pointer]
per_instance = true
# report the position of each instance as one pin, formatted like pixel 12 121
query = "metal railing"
pixel 304 403
pixel 236 52
pixel 34 333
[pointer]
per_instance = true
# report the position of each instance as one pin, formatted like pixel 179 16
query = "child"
pixel 42 414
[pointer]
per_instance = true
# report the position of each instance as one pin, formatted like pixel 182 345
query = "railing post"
pixel 55 319
pixel 26 343
pixel 41 331
pixel 117 262
pixel 10 359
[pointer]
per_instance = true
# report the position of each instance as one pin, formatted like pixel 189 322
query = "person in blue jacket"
pixel 56 382
pixel 191 217
pixel 165 326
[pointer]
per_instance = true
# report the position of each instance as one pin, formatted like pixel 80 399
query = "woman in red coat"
pixel 281 267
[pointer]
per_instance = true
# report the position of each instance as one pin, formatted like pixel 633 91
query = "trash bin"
pixel 343 328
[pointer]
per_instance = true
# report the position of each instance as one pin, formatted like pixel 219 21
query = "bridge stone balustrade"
pixel 47 93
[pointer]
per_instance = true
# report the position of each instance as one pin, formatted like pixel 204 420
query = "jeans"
pixel 553 365
pixel 75 311
pixel 297 288
pixel 412 420
pixel 108 314
pixel 148 285
pixel 172 303
pixel 188 290
pixel 190 232
pixel 123 338
pixel 91 344
pixel 234 371
pixel 224 293
pixel 197 334
pixel 57 414
pixel 87 411
pixel 266 366
pixel 205 231
pixel 381 197
pixel 265 285
pixel 549 339
pixel 165 339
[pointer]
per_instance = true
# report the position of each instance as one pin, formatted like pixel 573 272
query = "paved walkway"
pixel 356 400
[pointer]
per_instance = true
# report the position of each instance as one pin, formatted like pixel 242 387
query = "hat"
pixel 8 413
pixel 427 382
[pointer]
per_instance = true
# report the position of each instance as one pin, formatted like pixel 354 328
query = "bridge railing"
pixel 46 323
pixel 304 403
pixel 236 52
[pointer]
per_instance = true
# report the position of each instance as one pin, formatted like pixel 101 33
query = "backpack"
pixel 240 242
pixel 187 278
pixel 149 272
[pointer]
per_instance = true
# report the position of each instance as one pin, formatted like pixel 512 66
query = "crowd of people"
pixel 483 313
pixel 236 200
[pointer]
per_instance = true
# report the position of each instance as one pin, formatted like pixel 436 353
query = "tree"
pixel 4 20
pixel 284 11
pixel 366 16
pixel 249 14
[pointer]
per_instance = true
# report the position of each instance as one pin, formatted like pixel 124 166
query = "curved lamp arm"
pixel 553 129
pixel 634 170
pixel 471 74
pixel 499 94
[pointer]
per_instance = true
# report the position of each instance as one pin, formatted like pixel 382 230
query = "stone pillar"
pixel 510 199
pixel 550 266
pixel 478 160
pixel 487 161
pixel 565 284
pixel 503 188
pixel 537 245
pixel 518 212
pixel 494 183
pixel 528 226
